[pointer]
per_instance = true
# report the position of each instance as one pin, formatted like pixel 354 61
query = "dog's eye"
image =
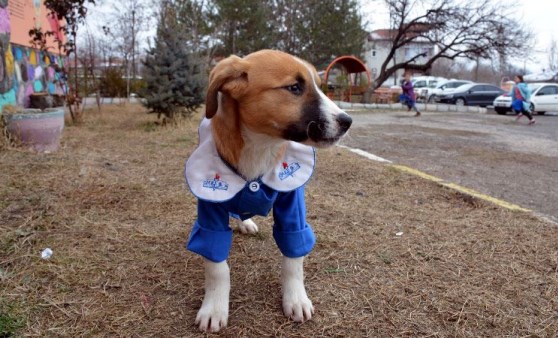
pixel 296 89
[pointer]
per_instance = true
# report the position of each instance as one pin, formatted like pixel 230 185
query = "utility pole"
pixel 134 44
pixel 133 57
pixel 477 59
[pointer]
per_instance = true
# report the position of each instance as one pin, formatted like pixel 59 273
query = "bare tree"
pixel 456 29
pixel 128 23
pixel 484 71
pixel 90 58
pixel 451 69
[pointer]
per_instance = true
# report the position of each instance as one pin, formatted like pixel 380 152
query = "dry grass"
pixel 113 207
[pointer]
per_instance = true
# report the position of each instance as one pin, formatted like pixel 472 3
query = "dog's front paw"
pixel 214 311
pixel 296 304
pixel 247 226
pixel 213 315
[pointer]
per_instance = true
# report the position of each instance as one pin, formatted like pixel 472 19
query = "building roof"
pixel 387 34
pixel 381 34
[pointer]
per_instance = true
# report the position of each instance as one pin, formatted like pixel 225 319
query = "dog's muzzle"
pixel 318 130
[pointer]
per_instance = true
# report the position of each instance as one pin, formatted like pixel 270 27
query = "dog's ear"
pixel 230 76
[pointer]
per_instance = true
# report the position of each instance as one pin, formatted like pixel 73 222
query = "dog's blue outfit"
pixel 221 192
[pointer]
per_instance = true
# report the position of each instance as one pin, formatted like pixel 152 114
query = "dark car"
pixel 473 94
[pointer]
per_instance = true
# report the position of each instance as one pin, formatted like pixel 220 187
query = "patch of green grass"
pixel 10 321
pixel 149 126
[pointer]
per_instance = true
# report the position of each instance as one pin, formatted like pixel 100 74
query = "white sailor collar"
pixel 211 179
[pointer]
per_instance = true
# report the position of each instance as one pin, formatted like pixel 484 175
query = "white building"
pixel 378 46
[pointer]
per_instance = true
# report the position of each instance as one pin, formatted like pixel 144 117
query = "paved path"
pixel 492 154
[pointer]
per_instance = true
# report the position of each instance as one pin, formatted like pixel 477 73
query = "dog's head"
pixel 278 95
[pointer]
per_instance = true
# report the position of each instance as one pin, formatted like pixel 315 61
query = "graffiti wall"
pixel 24 70
pixel 27 14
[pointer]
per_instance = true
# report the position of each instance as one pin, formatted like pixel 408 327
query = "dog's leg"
pixel 296 304
pixel 214 311
pixel 247 226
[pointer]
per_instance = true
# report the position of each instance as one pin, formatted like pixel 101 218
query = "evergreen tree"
pixel 174 68
pixel 243 26
pixel 315 30
pixel 328 29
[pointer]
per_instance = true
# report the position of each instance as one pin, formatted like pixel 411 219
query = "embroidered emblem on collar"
pixel 216 183
pixel 288 170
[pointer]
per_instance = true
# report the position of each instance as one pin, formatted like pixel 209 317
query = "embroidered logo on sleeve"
pixel 288 170
pixel 216 183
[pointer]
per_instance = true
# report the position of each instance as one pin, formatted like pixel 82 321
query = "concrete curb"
pixel 430 107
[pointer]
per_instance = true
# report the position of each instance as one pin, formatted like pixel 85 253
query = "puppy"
pixel 264 114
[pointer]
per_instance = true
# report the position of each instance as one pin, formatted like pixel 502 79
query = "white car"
pixel 434 94
pixel 544 97
pixel 422 85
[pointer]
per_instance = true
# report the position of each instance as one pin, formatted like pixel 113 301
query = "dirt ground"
pixel 113 207
pixel 490 153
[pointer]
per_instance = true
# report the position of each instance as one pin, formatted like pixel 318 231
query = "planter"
pixel 37 129
pixel 44 100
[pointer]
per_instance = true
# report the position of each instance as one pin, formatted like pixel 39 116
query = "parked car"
pixel 544 97
pixel 421 85
pixel 426 81
pixel 434 94
pixel 472 94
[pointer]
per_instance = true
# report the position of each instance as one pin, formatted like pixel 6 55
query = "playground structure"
pixel 350 81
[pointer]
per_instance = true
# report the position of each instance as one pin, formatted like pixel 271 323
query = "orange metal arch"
pixel 352 65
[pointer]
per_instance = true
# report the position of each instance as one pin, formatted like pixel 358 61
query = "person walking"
pixel 521 96
pixel 408 97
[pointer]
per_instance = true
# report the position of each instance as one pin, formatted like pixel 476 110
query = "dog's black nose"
pixel 344 121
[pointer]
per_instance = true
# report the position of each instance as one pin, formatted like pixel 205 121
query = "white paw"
pixel 214 311
pixel 247 226
pixel 296 304
pixel 213 315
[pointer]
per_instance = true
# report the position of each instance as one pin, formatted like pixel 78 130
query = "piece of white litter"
pixel 400 233
pixel 152 179
pixel 46 253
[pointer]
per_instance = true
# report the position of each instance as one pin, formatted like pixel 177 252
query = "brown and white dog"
pixel 257 105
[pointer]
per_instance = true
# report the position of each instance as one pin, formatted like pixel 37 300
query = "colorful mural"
pixel 24 70
pixel 26 14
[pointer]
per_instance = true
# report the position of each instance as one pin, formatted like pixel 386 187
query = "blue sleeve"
pixel 525 91
pixel 293 235
pixel 211 236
